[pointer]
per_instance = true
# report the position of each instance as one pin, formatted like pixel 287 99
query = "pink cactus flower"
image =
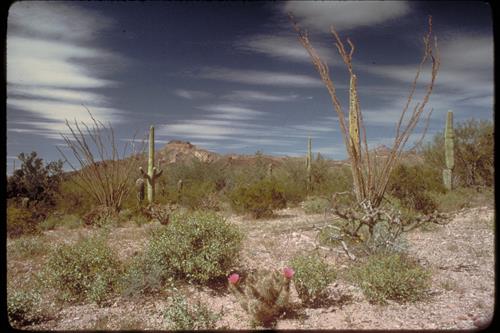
pixel 233 278
pixel 288 272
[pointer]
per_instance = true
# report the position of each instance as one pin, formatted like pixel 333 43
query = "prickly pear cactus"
pixel 449 155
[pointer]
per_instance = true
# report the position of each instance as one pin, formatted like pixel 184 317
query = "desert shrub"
pixel 391 276
pixel 199 196
pixel 412 184
pixel 34 180
pixel 101 216
pixel 28 247
pixel 86 270
pixel 24 307
pixel 291 175
pixel 259 198
pixel 327 179
pixel 72 199
pixel 20 221
pixel 474 153
pixel 197 246
pixel 312 277
pixel 464 198
pixel 61 220
pixel 315 205
pixel 141 277
pixel 182 316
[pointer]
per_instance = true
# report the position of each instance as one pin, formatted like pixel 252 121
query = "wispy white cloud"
pixel 320 15
pixel 226 111
pixel 259 77
pixel 284 47
pixel 56 112
pixel 191 94
pixel 258 96
pixel 56 20
pixel 49 48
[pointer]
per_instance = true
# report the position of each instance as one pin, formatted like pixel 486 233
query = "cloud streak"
pixel 255 77
pixel 320 15
pixel 49 47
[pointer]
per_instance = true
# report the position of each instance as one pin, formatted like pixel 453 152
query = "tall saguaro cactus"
pixel 152 173
pixel 309 163
pixel 449 155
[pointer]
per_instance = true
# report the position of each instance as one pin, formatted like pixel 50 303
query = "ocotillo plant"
pixel 449 151
pixel 354 130
pixel 152 173
pixel 309 164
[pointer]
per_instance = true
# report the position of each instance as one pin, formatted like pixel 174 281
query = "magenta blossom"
pixel 233 278
pixel 288 272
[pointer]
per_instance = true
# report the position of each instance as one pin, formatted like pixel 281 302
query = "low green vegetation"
pixel 198 246
pixel 180 315
pixel 312 277
pixel 315 205
pixel 24 307
pixel 391 276
pixel 87 270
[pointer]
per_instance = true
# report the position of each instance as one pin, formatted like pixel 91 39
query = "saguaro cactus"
pixel 309 164
pixel 152 173
pixel 449 155
pixel 270 170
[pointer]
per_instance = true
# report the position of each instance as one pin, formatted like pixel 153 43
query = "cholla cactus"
pixel 449 136
pixel 152 173
pixel 265 294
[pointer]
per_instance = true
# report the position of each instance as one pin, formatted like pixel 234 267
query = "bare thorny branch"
pixel 102 174
pixel 368 182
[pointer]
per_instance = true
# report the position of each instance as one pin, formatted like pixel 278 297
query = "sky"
pixel 232 77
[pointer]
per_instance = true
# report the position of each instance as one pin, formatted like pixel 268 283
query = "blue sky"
pixel 231 77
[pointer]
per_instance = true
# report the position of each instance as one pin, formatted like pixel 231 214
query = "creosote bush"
pixel 312 277
pixel 315 205
pixel 182 316
pixel 86 270
pixel 391 276
pixel 412 185
pixel 23 307
pixel 20 221
pixel 197 246
pixel 259 198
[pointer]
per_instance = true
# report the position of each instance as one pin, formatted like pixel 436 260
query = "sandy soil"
pixel 459 254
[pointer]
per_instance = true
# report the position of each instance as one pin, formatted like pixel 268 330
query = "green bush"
pixel 141 277
pixel 20 221
pixel 28 247
pixel 67 221
pixel 312 277
pixel 315 205
pixel 73 200
pixel 464 198
pixel 181 316
pixel 412 185
pixel 86 270
pixel 23 307
pixel 259 198
pixel 391 276
pixel 474 153
pixel 34 180
pixel 198 246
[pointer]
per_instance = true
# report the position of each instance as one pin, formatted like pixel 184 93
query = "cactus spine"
pixel 449 151
pixel 309 164
pixel 153 172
